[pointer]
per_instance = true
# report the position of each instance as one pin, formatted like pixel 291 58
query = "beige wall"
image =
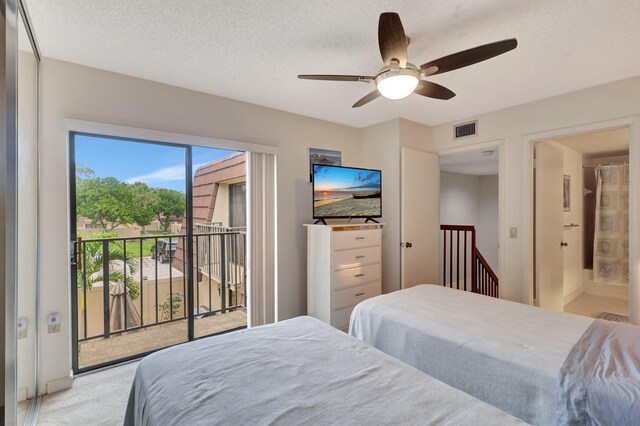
pixel 221 208
pixel 77 92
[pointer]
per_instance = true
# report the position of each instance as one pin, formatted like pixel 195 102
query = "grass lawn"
pixel 133 248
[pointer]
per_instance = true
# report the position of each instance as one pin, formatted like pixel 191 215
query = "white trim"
pixel 72 125
pixel 502 233
pixel 633 123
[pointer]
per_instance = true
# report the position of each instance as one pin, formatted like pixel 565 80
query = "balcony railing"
pixel 131 283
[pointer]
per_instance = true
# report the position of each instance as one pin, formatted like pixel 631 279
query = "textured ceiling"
pixel 471 162
pixel 599 143
pixel 252 50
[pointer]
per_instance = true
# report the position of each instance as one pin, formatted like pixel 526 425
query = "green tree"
pixel 83 173
pixel 171 203
pixel 145 199
pixel 106 201
pixel 92 266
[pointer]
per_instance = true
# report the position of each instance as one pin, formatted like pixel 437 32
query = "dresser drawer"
pixel 345 240
pixel 353 276
pixel 354 295
pixel 341 318
pixel 356 257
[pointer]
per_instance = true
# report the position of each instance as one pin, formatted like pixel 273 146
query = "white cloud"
pixel 166 174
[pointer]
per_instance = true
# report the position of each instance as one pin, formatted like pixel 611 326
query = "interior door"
pixel 420 217
pixel 549 221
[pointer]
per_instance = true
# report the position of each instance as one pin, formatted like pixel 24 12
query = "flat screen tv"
pixel 346 192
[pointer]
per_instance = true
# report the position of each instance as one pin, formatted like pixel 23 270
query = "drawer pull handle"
pixel 360 294
pixel 359 238
pixel 359 257
pixel 359 275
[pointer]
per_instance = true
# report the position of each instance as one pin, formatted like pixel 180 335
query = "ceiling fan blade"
pixel 433 90
pixel 371 96
pixel 470 56
pixel 391 39
pixel 328 77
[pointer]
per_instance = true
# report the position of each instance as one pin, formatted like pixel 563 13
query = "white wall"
pixel 488 220
pixel 78 92
pixel 459 198
pixel 513 125
pixel 27 214
pixel 381 150
pixel 472 200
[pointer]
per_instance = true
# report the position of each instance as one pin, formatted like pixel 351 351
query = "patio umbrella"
pixel 117 308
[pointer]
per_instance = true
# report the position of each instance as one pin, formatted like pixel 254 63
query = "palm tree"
pixel 92 266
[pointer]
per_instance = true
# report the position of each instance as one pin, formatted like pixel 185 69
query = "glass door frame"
pixel 73 233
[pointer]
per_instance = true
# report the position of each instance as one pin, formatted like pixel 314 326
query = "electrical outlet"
pixel 22 334
pixel 53 322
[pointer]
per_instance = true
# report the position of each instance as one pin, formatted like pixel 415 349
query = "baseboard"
pixel 59 384
pixel 21 394
pixel 573 295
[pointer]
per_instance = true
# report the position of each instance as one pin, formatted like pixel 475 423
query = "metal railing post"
pixel 105 287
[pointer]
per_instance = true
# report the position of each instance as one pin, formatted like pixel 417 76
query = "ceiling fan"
pixel 398 78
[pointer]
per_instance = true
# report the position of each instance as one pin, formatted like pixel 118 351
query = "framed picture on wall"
pixel 566 193
pixel 323 156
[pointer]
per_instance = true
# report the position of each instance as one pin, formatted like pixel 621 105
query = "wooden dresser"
pixel 344 267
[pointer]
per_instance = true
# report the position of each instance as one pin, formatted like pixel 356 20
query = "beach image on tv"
pixel 346 192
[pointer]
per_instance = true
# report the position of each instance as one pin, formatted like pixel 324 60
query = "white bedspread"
pixel 299 371
pixel 504 353
pixel 599 383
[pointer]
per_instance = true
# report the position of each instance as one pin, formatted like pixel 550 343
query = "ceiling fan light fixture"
pixel 398 84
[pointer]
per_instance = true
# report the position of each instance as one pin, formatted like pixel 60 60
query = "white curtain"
pixel 261 231
pixel 611 239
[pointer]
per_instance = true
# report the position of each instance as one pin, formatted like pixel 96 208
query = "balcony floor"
pixel 118 346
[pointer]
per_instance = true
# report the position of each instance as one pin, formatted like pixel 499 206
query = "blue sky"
pixel 329 178
pixel 159 166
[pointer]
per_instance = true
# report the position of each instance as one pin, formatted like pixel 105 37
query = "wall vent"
pixel 465 130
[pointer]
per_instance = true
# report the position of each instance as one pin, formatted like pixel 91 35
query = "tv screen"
pixel 345 192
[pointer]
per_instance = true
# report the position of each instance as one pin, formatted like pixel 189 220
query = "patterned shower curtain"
pixel 611 238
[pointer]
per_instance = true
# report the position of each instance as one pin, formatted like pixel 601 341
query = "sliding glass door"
pixel 156 260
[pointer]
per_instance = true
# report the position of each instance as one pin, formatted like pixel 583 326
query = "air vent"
pixel 465 130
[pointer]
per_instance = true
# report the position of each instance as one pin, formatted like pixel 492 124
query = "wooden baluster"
pixel 444 260
pixel 465 261
pixel 458 259
pixel 451 259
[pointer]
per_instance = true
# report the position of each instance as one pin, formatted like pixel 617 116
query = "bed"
pixel 299 371
pixel 507 354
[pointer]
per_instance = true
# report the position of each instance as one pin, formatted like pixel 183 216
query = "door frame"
pixel 500 144
pixel 529 141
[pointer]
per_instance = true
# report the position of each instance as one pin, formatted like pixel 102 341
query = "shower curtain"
pixel 611 237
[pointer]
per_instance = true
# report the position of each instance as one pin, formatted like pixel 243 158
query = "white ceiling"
pixel 608 142
pixel 471 162
pixel 252 50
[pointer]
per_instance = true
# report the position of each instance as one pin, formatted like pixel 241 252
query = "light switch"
pixel 513 232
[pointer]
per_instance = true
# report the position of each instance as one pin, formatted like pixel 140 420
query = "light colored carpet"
pixel 95 399
pixel 23 407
